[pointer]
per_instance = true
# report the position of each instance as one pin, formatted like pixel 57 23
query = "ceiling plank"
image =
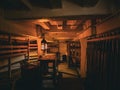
pixel 53 22
pixel 44 25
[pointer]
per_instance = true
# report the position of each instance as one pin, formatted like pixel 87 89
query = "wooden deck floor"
pixel 69 80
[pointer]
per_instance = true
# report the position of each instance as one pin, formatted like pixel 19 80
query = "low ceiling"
pixel 51 4
pixel 59 28
pixel 58 19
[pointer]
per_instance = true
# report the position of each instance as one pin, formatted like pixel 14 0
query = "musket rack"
pixel 103 61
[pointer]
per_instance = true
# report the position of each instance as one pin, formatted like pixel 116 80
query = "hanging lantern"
pixel 43 44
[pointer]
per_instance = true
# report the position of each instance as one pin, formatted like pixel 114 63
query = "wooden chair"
pixel 48 70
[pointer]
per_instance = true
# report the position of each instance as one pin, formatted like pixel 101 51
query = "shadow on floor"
pixel 64 84
pixel 68 80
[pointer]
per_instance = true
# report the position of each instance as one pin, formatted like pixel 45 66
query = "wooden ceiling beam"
pixel 44 25
pixel 27 3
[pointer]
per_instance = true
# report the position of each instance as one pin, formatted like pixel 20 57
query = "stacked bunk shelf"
pixel 32 49
pixel 14 50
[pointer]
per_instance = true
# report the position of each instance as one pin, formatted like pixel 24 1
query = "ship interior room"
pixel 59 44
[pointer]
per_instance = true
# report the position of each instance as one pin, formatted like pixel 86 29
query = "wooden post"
pixel 9 59
pixel 83 65
pixel 28 49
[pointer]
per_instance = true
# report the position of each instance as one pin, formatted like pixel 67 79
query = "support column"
pixel 9 59
pixel 39 47
pixel 83 66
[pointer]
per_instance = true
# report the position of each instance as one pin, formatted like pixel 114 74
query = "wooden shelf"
pixel 74 53
pixel 12 51
pixel 12 55
pixel 9 46
pixel 33 50
pixel 15 49
pixel 33 45
pixel 12 48
pixel 53 47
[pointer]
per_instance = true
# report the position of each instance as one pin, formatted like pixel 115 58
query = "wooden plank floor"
pixel 69 80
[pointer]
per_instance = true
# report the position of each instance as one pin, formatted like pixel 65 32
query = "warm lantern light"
pixel 44 44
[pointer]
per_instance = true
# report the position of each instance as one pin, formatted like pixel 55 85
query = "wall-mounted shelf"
pixel 32 49
pixel 74 53
pixel 11 46
pixel 53 47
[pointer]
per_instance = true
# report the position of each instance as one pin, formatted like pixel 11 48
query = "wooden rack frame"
pixel 14 46
pixel 113 34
